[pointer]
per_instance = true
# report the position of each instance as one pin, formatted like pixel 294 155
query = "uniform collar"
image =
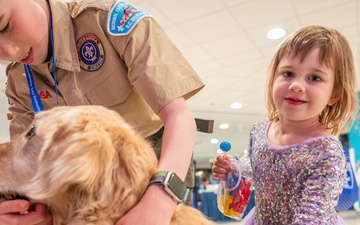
pixel 66 56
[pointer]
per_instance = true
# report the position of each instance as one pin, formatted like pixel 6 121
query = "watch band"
pixel 159 177
pixel 172 184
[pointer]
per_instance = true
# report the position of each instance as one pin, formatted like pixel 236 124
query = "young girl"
pixel 297 161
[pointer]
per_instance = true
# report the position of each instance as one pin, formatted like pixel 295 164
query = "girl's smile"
pixel 295 101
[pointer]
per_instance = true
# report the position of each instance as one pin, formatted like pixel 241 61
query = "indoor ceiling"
pixel 225 41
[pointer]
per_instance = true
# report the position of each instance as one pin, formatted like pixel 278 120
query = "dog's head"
pixel 80 159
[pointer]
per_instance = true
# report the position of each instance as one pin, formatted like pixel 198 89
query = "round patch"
pixel 90 51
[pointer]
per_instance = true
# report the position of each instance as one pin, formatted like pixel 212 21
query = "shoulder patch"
pixel 123 17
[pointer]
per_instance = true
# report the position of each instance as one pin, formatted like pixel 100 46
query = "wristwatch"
pixel 172 184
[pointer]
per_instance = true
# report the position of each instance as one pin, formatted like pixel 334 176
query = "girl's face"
pixel 24 31
pixel 302 90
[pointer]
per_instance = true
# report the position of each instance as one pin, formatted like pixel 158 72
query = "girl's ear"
pixel 333 100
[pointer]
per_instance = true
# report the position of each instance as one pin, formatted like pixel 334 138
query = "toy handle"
pixel 229 183
pixel 233 178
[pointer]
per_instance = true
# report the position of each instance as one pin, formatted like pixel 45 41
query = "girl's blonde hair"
pixel 335 52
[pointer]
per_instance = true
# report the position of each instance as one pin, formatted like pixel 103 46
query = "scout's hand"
pixel 19 212
pixel 155 207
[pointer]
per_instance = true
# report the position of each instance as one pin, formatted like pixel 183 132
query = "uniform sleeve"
pixel 156 67
pixel 22 115
pixel 322 189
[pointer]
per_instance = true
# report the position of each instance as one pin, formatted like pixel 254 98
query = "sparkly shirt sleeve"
pixel 325 175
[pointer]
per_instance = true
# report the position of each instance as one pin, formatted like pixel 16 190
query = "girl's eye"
pixel 314 78
pixel 6 28
pixel 288 74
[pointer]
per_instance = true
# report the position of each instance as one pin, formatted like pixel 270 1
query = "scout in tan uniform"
pixel 105 53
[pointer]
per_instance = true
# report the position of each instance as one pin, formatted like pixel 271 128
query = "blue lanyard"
pixel 34 95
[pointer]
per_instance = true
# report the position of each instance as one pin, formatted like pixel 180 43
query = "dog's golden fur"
pixel 86 164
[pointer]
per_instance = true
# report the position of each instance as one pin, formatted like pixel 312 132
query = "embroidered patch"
pixel 90 51
pixel 123 18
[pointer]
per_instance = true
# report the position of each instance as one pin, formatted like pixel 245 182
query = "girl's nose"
pixel 297 86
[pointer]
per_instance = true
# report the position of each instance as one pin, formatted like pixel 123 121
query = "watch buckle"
pixel 186 194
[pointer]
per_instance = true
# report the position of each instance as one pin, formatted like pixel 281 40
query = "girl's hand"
pixel 19 212
pixel 221 166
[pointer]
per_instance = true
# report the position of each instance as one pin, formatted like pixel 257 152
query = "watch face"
pixel 177 187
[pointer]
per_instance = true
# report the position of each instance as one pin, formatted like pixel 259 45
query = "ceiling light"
pixel 236 105
pixel 276 33
pixel 224 126
pixel 214 141
pixel 219 151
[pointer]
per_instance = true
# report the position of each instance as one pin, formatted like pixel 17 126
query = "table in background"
pixel 209 207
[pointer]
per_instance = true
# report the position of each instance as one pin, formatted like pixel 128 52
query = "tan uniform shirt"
pixel 135 74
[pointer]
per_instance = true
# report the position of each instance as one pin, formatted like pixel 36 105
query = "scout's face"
pixel 24 31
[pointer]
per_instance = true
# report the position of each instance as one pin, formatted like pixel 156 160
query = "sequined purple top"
pixel 296 184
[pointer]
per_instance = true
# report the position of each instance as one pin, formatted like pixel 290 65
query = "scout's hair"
pixel 86 163
pixel 336 53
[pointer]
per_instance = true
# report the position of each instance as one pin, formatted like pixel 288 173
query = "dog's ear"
pixel 137 164
pixel 72 156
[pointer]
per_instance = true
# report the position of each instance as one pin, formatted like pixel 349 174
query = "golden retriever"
pixel 86 163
